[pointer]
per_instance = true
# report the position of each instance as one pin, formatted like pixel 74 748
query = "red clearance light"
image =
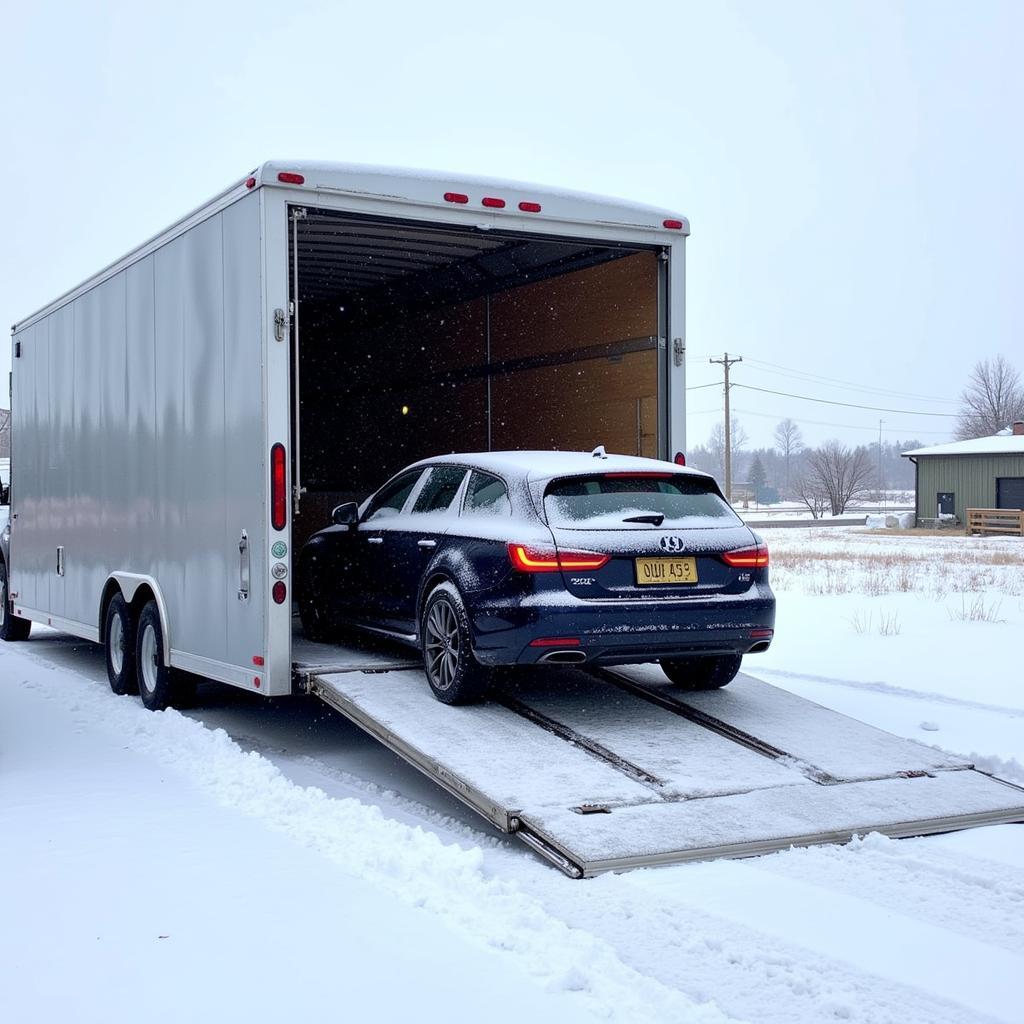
pixel 278 491
pixel 680 459
pixel 257 660
pixel 495 204
pixel 527 559
pixel 530 207
pixel 455 197
pixel 250 182
pixel 280 592
pixel 291 179
pixel 556 641
pixel 674 225
pixel 644 475
pixel 747 558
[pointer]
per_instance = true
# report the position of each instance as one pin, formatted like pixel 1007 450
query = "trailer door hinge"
pixel 281 325
pixel 678 352
pixel 60 560
pixel 298 213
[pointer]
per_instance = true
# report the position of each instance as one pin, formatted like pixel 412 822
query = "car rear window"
pixel 610 502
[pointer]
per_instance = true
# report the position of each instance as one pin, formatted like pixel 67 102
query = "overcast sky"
pixel 852 171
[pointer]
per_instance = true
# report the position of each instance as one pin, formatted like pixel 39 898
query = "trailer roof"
pixel 521 203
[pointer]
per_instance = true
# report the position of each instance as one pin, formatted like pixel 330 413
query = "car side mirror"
pixel 346 515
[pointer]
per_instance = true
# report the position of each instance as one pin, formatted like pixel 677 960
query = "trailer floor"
pixel 605 770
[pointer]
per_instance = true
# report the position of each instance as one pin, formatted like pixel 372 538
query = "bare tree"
pixel 811 492
pixel 992 399
pixel 839 472
pixel 789 441
pixel 5 433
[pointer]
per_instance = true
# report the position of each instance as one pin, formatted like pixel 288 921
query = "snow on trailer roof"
pixel 543 465
pixel 997 444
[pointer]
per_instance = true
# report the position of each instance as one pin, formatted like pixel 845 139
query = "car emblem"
pixel 672 544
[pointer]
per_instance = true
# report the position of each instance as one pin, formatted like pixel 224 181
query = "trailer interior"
pixel 418 340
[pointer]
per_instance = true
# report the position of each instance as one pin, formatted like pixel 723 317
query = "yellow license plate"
pixel 666 570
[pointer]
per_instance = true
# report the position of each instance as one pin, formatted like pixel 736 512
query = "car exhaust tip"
pixel 759 647
pixel 563 657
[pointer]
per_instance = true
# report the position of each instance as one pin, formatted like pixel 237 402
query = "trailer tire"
pixel 160 686
pixel 119 647
pixel 12 628
pixel 454 674
pixel 710 672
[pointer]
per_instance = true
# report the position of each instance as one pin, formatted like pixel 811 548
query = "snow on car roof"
pixel 543 465
pixel 997 444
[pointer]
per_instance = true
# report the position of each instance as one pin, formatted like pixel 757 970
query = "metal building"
pixel 985 472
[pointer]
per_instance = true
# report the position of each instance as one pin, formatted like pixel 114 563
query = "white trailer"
pixel 186 417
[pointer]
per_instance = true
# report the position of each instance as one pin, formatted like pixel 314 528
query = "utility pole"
pixel 881 493
pixel 725 363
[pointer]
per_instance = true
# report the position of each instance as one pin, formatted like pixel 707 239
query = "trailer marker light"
pixel 280 592
pixel 257 660
pixel 680 459
pixel 456 197
pixel 291 179
pixel 278 492
pixel 674 225
pixel 556 641
pixel 256 682
pixel 527 559
pixel 530 207
pixel 747 558
pixel 494 204
pixel 250 182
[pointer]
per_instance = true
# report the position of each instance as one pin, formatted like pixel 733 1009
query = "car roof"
pixel 544 465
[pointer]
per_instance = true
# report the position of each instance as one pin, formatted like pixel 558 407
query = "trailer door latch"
pixel 678 352
pixel 280 324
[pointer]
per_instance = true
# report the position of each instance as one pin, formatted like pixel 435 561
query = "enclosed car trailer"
pixel 184 419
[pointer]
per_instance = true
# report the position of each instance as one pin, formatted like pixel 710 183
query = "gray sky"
pixel 852 171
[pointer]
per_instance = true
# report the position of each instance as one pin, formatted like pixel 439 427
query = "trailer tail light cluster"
pixel 491 202
pixel 289 178
pixel 278 488
pixel 747 558
pixel 527 559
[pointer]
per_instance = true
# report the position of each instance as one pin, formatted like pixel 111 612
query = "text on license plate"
pixel 666 570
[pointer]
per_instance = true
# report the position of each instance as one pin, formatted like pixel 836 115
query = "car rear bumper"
pixel 622 632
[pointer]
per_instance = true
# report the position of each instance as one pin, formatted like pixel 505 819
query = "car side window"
pixel 440 489
pixel 390 500
pixel 486 496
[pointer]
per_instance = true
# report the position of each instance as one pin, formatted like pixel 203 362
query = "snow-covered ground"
pixel 256 859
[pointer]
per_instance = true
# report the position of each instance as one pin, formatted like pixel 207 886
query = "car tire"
pixel 160 686
pixel 12 628
pixel 119 647
pixel 705 673
pixel 454 674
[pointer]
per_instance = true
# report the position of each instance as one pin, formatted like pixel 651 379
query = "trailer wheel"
pixel 454 674
pixel 11 627
pixel 159 685
pixel 119 643
pixel 707 673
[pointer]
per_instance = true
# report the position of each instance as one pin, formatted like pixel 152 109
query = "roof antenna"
pixel 599 452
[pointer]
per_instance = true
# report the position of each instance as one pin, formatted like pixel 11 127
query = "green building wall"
pixel 971 478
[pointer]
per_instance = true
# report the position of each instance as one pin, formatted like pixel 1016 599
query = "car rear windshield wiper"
pixel 654 518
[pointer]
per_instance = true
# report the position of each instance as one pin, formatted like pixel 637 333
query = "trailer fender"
pixel 130 583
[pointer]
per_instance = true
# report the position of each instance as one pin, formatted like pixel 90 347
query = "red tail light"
pixel 291 179
pixel 527 559
pixel 680 459
pixel 278 491
pixel 747 558
pixel 556 641
pixel 280 592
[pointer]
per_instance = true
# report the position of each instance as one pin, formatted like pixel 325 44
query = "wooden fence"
pixel 996 520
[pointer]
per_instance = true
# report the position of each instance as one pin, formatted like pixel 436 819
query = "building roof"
pixel 998 444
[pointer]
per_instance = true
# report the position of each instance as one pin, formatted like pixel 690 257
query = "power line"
pixel 697 387
pixel 848 405
pixel 806 375
pixel 846 426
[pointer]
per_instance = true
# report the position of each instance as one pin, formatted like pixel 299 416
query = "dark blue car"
pixel 515 558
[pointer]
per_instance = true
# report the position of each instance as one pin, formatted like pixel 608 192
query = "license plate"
pixel 666 570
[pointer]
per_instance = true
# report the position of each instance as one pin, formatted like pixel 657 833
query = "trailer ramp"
pixel 606 770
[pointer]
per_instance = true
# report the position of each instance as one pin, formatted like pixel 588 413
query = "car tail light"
pixel 761 634
pixel 278 491
pixel 747 558
pixel 527 559
pixel 280 592
pixel 680 459
pixel 556 641
pixel 289 178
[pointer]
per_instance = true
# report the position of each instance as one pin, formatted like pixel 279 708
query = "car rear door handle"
pixel 427 543
pixel 374 540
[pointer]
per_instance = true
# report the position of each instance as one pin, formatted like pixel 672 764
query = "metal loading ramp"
pixel 610 769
